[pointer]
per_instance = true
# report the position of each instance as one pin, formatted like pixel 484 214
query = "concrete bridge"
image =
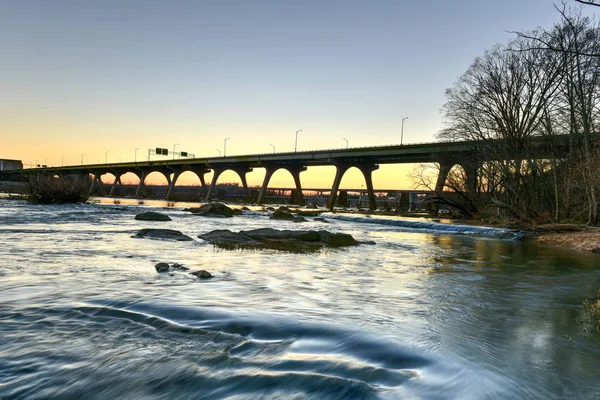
pixel 468 154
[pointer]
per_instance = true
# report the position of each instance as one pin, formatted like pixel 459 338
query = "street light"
pixel 176 144
pixel 402 131
pixel 346 141
pixel 225 147
pixel 119 159
pixel 135 157
pixel 219 152
pixel 273 148
pixel 106 156
pixel 82 158
pixel 296 143
pixel 62 160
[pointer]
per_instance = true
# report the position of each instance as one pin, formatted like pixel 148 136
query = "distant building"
pixel 8 165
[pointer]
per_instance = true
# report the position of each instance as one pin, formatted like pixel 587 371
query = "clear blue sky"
pixel 89 77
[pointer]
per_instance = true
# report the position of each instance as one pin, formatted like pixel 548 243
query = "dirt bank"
pixel 566 235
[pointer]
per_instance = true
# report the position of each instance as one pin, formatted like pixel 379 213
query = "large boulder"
pixel 225 236
pixel 284 240
pixel 162 267
pixel 212 210
pixel 202 274
pixel 165 234
pixel 152 216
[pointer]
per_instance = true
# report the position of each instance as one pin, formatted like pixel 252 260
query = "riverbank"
pixel 573 236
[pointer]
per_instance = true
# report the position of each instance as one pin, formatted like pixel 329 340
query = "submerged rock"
pixel 308 213
pixel 284 213
pixel 202 274
pixel 165 267
pixel 152 216
pixel 212 210
pixel 179 267
pixel 321 219
pixel 295 241
pixel 162 267
pixel 166 234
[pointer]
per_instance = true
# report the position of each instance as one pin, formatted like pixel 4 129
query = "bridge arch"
pixel 294 170
pixel 366 168
pixel 241 171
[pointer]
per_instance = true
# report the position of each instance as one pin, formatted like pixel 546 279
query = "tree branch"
pixel 588 2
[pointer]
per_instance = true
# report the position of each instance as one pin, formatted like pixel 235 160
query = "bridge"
pixel 468 154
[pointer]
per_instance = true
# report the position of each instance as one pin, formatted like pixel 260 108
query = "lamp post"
pixel 346 141
pixel 176 144
pixel 119 159
pixel 135 156
pixel 46 161
pixel 62 160
pixel 82 158
pixel 402 131
pixel 273 148
pixel 296 143
pixel 225 147
pixel 106 156
pixel 219 152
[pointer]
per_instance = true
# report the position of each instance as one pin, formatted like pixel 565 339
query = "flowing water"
pixel 432 311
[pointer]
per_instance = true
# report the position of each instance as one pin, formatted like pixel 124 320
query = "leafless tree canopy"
pixel 542 83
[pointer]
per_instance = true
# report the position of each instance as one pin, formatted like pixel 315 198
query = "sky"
pixel 94 80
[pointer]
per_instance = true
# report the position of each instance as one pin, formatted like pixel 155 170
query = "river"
pixel 432 311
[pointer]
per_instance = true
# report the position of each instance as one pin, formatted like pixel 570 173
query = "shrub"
pixel 52 190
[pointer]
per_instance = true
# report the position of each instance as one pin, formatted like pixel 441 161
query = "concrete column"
pixel 91 191
pixel 96 182
pixel 142 186
pixel 242 174
pixel 339 173
pixel 172 184
pixel 263 189
pixel 471 173
pixel 445 167
pixel 115 183
pixel 200 172
pixel 295 171
pixel 216 174
pixel 367 171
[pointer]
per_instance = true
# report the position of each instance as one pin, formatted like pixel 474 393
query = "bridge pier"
pixel 97 181
pixel 114 185
pixel 173 180
pixel 263 189
pixel 142 186
pixel 367 171
pixel 470 169
pixel 295 171
pixel 340 170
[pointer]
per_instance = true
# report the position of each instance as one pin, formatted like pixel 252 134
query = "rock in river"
pixel 212 210
pixel 202 274
pixel 285 214
pixel 287 240
pixel 152 216
pixel 162 267
pixel 167 234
